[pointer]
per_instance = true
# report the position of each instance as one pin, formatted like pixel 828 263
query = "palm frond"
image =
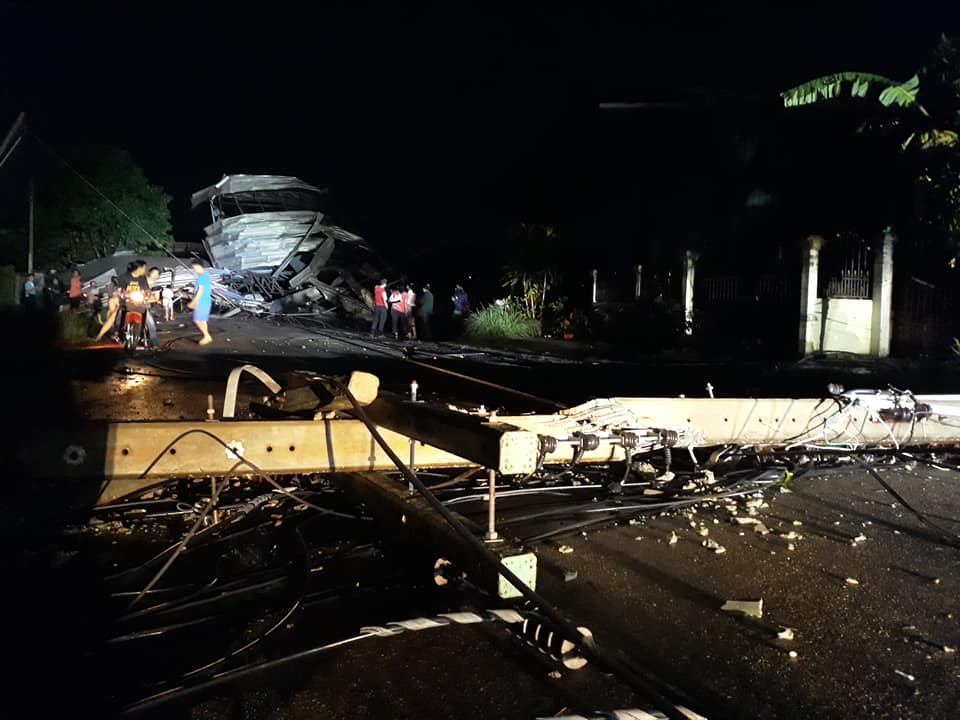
pixel 830 87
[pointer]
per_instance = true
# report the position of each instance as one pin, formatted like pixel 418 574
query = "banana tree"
pixel 531 272
pixel 923 111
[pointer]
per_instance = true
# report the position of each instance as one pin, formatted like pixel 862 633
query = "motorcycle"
pixel 134 322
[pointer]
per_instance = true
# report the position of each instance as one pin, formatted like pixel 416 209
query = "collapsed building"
pixel 275 250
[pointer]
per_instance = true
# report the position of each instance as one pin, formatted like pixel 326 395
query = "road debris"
pixel 852 581
pixel 570 575
pixel 564 549
pixel 858 539
pixel 714 546
pixel 673 538
pixel 750 608
pixel 785 633
pixel 907 676
pixel 761 529
pixel 793 654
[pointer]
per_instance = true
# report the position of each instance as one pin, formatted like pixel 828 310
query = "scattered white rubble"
pixel 761 529
pixel 738 520
pixel 902 674
pixel 750 608
pixel 673 538
pixel 858 539
pixel 852 581
pixel 554 675
pixel 713 545
pixel 793 654
pixel 785 633
pixel 564 549
pixel 703 531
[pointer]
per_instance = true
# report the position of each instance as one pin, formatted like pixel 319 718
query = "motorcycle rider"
pixel 135 279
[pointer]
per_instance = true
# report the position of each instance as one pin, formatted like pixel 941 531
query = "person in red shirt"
pixel 398 313
pixel 379 309
pixel 76 291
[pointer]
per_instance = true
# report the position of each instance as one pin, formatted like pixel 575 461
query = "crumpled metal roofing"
pixel 271 237
pixel 262 193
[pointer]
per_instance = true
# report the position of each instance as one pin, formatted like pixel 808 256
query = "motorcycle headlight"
pixel 136 296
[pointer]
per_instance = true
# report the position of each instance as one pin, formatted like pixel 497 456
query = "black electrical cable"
pixel 614 664
pixel 243 461
pixel 178 548
pixel 950 538
pixel 305 581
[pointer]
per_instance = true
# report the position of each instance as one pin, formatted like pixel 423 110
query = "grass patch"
pixel 500 321
pixel 77 327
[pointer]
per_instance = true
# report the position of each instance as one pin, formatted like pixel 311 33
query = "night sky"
pixel 436 128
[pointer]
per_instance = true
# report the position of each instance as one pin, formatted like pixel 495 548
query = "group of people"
pixel 410 316
pixel 406 314
pixel 140 279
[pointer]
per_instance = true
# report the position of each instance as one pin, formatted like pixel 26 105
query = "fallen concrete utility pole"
pixel 127 457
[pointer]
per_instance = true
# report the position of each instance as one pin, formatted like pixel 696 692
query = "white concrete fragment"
pixel 785 634
pixel 852 581
pixel 564 549
pixel 751 608
pixel 761 529
pixel 737 520
pixel 673 538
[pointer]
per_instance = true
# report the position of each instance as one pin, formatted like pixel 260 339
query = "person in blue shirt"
pixel 202 302
pixel 29 293
pixel 461 303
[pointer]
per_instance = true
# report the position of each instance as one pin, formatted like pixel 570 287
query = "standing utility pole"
pixel 30 231
pixel 10 141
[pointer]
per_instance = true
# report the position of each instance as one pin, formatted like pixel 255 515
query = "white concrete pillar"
pixel 882 328
pixel 593 289
pixel 689 267
pixel 639 286
pixel 809 310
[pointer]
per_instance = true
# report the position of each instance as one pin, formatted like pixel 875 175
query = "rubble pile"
pixel 276 251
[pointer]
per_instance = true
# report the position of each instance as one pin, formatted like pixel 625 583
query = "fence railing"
pixel 849 286
pixel 735 289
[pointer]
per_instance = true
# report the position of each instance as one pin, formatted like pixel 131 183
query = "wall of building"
pixel 848 327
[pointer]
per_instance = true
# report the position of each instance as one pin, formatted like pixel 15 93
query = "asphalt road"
pixel 880 648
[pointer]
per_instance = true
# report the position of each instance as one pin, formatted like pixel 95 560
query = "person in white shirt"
pixel 166 299
pixel 411 307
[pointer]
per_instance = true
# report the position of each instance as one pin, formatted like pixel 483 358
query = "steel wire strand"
pixel 615 664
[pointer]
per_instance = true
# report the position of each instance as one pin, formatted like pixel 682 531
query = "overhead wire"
pixel 614 664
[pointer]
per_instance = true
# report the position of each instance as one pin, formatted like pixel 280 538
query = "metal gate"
pixel 924 318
